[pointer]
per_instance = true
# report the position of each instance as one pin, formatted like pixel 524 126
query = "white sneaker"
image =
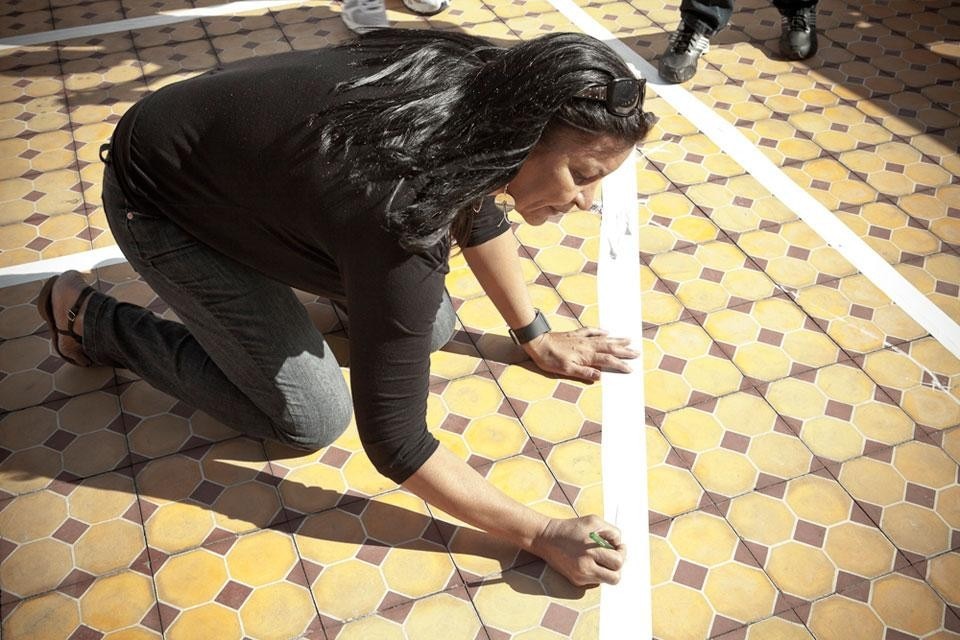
pixel 426 7
pixel 361 16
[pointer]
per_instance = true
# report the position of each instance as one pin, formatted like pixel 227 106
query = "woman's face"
pixel 563 173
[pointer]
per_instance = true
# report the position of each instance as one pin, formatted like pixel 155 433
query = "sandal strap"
pixel 72 314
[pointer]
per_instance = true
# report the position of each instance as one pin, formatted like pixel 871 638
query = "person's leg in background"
pixel 361 16
pixel 700 20
pixel 798 41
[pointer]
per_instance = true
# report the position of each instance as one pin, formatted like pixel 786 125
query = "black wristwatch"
pixel 538 327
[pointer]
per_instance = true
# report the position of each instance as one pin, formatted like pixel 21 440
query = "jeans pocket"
pixel 156 239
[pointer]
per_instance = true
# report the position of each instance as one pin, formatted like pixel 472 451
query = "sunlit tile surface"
pixel 802 430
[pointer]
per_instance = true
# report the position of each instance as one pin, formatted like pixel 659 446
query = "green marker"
pixel 600 541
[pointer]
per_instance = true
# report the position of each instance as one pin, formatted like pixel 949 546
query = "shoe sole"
pixel 677 78
pixel 443 7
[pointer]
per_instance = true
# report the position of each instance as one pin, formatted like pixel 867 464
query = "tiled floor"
pixel 802 430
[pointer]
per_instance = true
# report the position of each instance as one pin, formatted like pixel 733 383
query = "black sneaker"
pixel 799 38
pixel 679 62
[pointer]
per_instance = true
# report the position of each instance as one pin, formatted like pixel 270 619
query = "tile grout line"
pixel 807 208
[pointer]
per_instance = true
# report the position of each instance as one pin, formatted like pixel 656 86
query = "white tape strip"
pixel 160 19
pixel 624 445
pixel 86 261
pixel 805 206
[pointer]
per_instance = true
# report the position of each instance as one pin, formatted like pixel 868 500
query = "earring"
pixel 505 201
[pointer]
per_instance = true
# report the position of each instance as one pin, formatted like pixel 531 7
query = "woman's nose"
pixel 584 199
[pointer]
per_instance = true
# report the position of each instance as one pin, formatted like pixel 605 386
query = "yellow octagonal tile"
pixel 472 397
pixel 761 518
pixel 54 615
pixel 817 499
pixel 703 538
pixel 837 411
pixel 117 602
pixel 544 606
pixel 205 621
pixel 935 276
pixel 907 605
pixel 740 592
pixel 671 489
pixel 801 570
pixel 923 377
pixel 725 472
pixel 859 549
pixel 740 204
pixel 680 612
pixel 911 495
pixel 941 575
pixel 191 579
pixel 349 589
pixel 444 615
pixel 934 209
pixel 712 276
pixel 840 618
pixel 279 610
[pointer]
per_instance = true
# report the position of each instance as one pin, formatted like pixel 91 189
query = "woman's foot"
pixel 67 289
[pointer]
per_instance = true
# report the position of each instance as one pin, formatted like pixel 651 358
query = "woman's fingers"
pixel 608 362
pixel 611 559
pixel 587 374
pixel 603 574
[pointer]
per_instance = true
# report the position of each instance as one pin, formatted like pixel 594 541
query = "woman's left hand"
pixel 580 354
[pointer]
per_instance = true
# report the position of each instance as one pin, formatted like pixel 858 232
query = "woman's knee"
pixel 317 407
pixel 317 429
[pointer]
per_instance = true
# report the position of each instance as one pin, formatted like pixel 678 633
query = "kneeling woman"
pixel 349 172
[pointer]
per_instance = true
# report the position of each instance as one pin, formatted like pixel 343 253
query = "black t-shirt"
pixel 230 157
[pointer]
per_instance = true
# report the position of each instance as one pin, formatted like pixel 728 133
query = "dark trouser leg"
pixel 787 7
pixel 707 16
pixel 246 353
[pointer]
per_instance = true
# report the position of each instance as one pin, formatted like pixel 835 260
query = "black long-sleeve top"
pixel 228 157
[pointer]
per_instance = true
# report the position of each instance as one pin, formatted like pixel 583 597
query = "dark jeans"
pixel 710 16
pixel 246 353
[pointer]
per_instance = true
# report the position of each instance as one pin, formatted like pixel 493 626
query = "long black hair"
pixel 458 115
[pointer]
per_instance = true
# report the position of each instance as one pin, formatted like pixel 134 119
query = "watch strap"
pixel 537 327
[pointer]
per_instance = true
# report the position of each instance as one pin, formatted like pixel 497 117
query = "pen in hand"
pixel 600 541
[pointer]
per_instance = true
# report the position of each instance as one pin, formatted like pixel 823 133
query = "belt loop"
pixel 105 153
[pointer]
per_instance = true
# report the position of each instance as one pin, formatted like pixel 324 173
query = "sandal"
pixel 45 307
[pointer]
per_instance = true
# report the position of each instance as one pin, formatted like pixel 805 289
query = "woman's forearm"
pixel 449 483
pixel 452 485
pixel 497 268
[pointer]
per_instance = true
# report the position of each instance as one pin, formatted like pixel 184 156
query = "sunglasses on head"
pixel 622 96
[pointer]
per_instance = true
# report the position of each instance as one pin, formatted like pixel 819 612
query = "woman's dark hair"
pixel 459 115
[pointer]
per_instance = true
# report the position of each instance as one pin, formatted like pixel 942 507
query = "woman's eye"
pixel 581 179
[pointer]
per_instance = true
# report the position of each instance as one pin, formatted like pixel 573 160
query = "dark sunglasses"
pixel 623 96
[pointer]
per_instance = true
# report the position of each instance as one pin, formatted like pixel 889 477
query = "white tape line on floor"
pixel 625 606
pixel 805 206
pixel 84 262
pixel 159 19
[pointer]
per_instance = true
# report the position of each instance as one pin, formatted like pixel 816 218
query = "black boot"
pixel 799 38
pixel 679 62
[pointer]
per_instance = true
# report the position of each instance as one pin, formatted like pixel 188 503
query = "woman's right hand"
pixel 566 546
